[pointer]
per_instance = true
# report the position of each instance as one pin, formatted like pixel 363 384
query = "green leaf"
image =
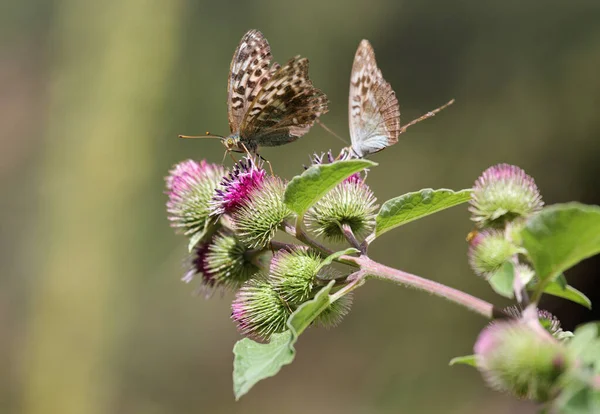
pixel 334 256
pixel 560 236
pixel 503 280
pixel 308 311
pixel 464 360
pixel 306 189
pixel 413 206
pixel 195 239
pixel 568 292
pixel 585 345
pixel 254 361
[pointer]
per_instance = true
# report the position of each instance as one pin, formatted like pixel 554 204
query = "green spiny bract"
pixel 257 221
pixel 352 203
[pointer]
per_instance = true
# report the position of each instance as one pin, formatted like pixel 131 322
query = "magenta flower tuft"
pixel 190 187
pixel 234 190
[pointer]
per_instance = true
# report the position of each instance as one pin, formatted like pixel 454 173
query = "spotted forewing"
pixel 285 107
pixel 270 105
pixel 374 113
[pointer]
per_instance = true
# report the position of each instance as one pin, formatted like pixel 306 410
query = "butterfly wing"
pixel 285 108
pixel 374 113
pixel 248 72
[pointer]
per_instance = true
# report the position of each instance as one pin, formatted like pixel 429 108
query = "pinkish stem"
pixel 379 271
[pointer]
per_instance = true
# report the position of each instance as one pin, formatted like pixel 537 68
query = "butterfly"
pixel 373 110
pixel 268 105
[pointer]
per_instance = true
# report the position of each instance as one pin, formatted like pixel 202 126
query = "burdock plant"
pixel 283 285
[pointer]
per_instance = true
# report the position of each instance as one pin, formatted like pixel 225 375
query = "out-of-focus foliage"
pixel 93 316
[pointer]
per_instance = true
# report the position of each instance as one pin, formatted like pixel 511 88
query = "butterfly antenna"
pixel 326 128
pixel 207 135
pixel 427 115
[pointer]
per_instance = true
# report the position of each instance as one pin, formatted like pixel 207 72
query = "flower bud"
pixel 352 202
pixel 222 262
pixel 235 189
pixel 515 358
pixel 293 274
pixel 257 220
pixel 488 250
pixel 503 193
pixel 548 321
pixel 258 310
pixel 190 187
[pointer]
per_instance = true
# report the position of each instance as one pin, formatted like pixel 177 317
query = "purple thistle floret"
pixel 234 190
pixel 199 266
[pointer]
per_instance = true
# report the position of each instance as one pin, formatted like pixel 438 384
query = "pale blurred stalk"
pixel 111 62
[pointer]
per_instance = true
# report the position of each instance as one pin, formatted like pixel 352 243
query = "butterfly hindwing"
pixel 248 72
pixel 374 113
pixel 285 107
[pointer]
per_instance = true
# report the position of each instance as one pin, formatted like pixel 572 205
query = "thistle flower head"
pixel 293 274
pixel 548 321
pixel 334 314
pixel 228 261
pixel 514 358
pixel 223 261
pixel 257 220
pixel 258 310
pixel 235 189
pixel 198 266
pixel 488 250
pixel 503 193
pixel 352 202
pixel 190 186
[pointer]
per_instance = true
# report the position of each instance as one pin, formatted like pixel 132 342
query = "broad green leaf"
pixel 560 236
pixel 306 189
pixel 464 360
pixel 568 292
pixel 503 280
pixel 413 206
pixel 334 256
pixel 254 361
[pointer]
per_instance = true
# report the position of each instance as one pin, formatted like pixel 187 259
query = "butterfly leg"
pixel 268 162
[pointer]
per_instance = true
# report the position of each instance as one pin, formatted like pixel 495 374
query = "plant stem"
pixel 301 235
pixel 379 271
pixel 349 234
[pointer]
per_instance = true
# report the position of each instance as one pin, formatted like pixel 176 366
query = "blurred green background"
pixel 93 316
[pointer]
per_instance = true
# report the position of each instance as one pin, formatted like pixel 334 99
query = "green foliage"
pixel 580 395
pixel 502 281
pixel 464 360
pixel 307 188
pixel 255 361
pixel 413 206
pixel 568 292
pixel 560 236
pixel 334 256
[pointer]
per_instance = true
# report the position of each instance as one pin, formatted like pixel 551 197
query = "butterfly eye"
pixel 229 143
